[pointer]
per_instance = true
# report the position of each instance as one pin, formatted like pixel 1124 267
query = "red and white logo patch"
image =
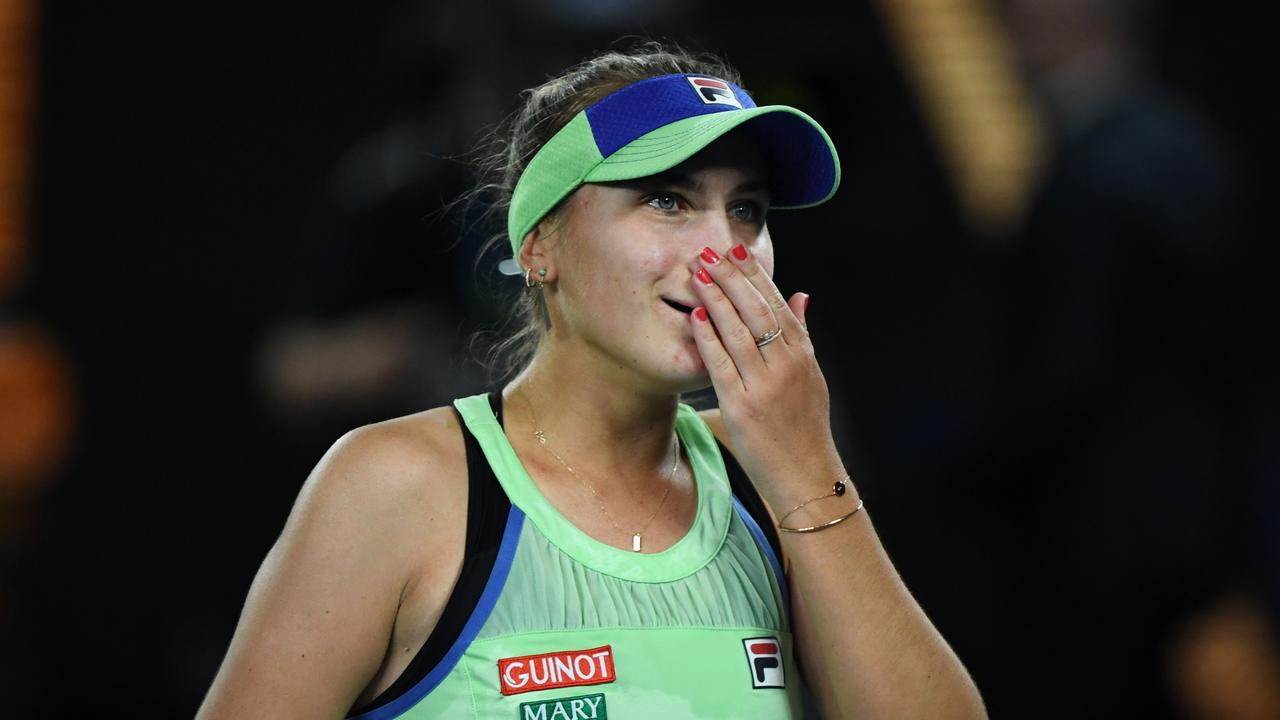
pixel 714 92
pixel 566 668
pixel 764 655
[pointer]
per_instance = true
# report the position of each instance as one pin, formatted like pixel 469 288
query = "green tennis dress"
pixel 568 628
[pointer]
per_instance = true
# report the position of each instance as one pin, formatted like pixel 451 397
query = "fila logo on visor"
pixel 714 92
pixel 567 668
pixel 764 655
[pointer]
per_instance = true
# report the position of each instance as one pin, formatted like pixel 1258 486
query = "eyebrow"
pixel 679 180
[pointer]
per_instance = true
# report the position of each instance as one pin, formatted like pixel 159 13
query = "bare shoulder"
pixel 402 443
pixel 407 478
pixel 400 459
pixel 382 512
pixel 403 475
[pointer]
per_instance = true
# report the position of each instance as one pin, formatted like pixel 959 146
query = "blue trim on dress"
pixel 488 598
pixel 766 548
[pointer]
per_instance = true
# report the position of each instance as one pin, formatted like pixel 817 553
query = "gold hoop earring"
pixel 542 273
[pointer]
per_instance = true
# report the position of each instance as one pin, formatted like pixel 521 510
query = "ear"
pixel 537 250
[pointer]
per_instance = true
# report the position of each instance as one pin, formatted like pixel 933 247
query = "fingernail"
pixel 703 276
pixel 710 255
pixel 700 313
pixel 740 251
pixel 806 302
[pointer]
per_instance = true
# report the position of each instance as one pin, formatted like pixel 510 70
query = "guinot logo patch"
pixel 567 668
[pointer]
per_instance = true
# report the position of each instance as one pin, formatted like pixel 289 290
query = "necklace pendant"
pixel 635 543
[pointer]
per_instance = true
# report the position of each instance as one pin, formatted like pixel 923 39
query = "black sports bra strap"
pixel 495 403
pixel 487 511
pixel 750 498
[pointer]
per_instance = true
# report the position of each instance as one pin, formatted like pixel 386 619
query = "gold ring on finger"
pixel 769 337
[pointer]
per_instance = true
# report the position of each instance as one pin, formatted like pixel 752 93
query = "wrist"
pixel 812 519
pixel 822 510
pixel 794 486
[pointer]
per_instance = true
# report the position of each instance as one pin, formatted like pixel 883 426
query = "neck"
pixel 596 423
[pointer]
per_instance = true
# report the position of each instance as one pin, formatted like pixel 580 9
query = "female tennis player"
pixel 579 543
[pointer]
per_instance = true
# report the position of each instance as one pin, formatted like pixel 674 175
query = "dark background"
pixel 1068 434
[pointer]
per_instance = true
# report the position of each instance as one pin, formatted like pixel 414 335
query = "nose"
pixel 715 231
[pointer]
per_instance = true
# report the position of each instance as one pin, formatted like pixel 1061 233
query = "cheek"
pixel 632 267
pixel 763 251
pixel 765 261
pixel 654 261
pixel 619 278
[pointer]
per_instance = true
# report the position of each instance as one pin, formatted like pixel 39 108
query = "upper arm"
pixel 714 421
pixel 319 614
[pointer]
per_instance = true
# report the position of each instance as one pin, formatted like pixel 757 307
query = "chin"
pixel 678 368
pixel 677 386
pixel 688 373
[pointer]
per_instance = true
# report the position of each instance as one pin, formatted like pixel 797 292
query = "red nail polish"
pixel 806 302
pixel 700 313
pixel 710 255
pixel 703 276
pixel 740 251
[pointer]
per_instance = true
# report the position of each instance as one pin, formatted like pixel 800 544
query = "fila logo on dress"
pixel 714 92
pixel 764 655
pixel 566 668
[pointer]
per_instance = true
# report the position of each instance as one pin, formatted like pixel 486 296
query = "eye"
pixel 751 212
pixel 664 201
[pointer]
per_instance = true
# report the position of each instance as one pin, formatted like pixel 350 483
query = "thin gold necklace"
pixel 635 536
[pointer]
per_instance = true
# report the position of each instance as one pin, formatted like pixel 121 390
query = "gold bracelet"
pixel 837 490
pixel 815 528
